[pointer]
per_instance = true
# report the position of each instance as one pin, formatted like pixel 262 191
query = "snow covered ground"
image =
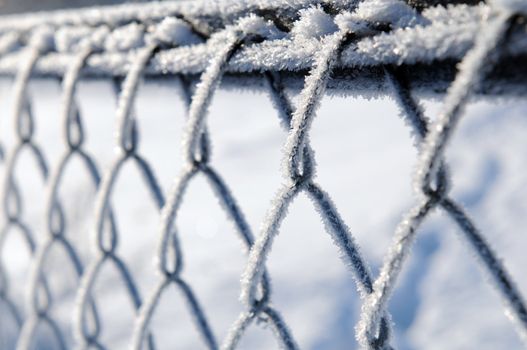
pixel 365 160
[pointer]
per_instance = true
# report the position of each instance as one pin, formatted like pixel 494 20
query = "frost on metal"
pixel 386 32
pixel 271 42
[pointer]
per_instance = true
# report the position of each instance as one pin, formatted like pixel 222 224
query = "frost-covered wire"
pixel 13 205
pixel 196 153
pixel 432 186
pixel 56 223
pixel 105 230
pixel 282 39
pixel 437 34
pixel 298 170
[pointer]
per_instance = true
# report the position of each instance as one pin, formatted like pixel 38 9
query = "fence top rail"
pixel 386 33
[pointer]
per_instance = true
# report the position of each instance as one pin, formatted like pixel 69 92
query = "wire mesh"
pixel 186 47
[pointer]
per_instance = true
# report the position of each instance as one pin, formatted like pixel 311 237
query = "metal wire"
pixel 432 179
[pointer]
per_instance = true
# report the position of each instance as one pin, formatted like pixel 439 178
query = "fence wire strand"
pixel 144 40
pixel 13 205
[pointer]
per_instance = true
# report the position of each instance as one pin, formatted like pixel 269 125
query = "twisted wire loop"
pixel 299 172
pixel 196 148
pixel 432 182
pixel 56 224
pixel 13 215
pixel 5 43
pixel 106 233
pixel 335 225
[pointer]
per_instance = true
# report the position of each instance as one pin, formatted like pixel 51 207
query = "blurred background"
pixel 15 6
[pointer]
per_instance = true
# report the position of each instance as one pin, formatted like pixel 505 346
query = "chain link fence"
pixel 347 46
